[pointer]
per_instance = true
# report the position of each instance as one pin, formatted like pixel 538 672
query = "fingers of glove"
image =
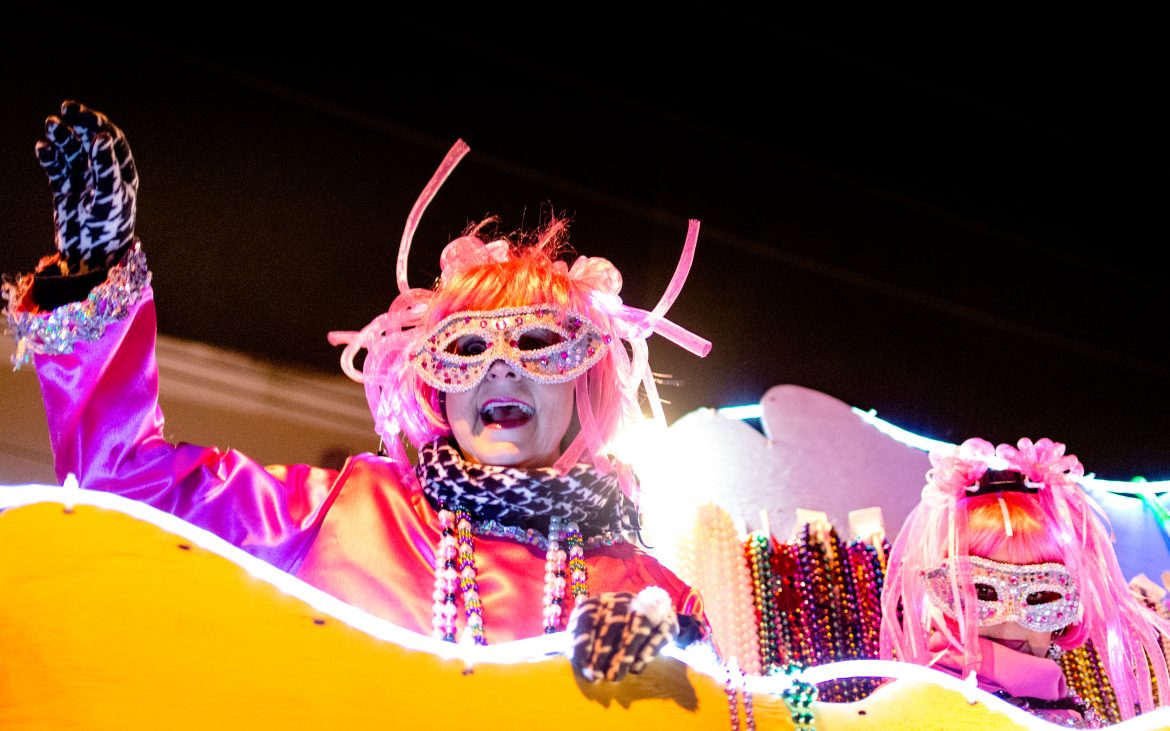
pixel 599 626
pixel 127 168
pixel 85 122
pixel 53 163
pixel 640 642
pixel 108 208
pixel 590 623
pixel 105 174
pixel 76 114
pixel 625 651
pixel 65 155
pixel 590 653
pixel 584 624
pixel 658 637
pixel 88 124
pixel 609 648
pixel 66 182
pixel 64 136
pixel 652 624
pixel 60 155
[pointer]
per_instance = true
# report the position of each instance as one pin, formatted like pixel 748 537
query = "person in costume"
pixel 509 523
pixel 1004 569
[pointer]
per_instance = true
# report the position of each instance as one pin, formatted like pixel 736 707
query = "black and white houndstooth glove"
pixel 618 632
pixel 94 185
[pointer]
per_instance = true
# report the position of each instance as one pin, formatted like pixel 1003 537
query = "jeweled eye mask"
pixel 545 343
pixel 1040 597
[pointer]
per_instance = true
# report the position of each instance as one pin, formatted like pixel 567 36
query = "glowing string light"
pixel 70 497
pixel 926 444
pixel 699 657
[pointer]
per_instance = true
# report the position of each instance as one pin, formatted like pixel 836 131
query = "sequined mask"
pixel 1040 597
pixel 543 342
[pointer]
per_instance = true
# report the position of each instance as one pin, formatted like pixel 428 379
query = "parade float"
pixel 117 616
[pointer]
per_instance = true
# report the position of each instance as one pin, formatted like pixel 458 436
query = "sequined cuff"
pixel 56 332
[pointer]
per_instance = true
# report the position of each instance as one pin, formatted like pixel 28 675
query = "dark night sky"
pixel 954 222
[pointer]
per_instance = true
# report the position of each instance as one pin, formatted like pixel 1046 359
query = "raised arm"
pixel 86 317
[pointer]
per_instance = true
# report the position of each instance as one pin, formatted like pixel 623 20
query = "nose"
pixel 1014 631
pixel 501 369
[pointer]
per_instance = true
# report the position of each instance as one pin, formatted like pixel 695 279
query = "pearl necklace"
pixel 456 573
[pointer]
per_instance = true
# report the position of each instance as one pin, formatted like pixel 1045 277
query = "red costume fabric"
pixel 360 533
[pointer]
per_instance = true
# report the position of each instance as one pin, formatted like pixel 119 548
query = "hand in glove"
pixel 618 633
pixel 94 185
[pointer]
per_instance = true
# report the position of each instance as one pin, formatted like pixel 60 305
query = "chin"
pixel 522 460
pixel 507 448
pixel 512 457
pixel 500 454
pixel 504 459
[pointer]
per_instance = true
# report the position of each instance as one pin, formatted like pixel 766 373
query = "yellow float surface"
pixel 108 621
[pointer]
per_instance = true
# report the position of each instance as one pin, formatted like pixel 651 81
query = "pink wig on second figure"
pixel 1051 520
pixel 480 275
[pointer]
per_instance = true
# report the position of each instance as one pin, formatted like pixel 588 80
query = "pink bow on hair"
pixel 1042 462
pixel 466 252
pixel 957 472
pixel 597 273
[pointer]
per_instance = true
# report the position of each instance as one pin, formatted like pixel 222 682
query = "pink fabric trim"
pixel 1002 668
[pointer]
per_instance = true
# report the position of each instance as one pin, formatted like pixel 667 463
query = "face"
pixel 1013 634
pixel 1018 637
pixel 510 420
pixel 1019 606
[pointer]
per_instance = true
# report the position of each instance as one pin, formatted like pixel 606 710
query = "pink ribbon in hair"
pixel 955 473
pixel 1043 462
pixel 596 273
pixel 641 323
pixel 454 155
pixel 466 252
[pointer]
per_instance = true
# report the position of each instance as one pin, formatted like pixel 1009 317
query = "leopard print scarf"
pixel 525 498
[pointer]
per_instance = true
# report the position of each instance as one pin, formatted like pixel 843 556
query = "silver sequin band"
pixel 56 332
pixel 534 537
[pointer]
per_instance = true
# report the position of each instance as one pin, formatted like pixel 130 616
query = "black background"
pixel 954 221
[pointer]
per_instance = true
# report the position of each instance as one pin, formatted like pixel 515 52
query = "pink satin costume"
pixel 1011 672
pixel 360 533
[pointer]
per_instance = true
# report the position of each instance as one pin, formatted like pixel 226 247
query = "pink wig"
pixel 1058 522
pixel 489 275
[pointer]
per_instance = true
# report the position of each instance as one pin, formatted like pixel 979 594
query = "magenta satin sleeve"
pixel 106 427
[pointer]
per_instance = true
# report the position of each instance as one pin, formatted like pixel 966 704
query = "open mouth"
pixel 506 413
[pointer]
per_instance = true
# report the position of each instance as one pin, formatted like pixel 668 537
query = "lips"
pixel 1017 645
pixel 506 413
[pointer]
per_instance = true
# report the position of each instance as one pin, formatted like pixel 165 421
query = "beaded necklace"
pixel 456 573
pixel 796 616
pixel 765 587
pixel 867 580
pixel 1087 682
pixel 734 687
